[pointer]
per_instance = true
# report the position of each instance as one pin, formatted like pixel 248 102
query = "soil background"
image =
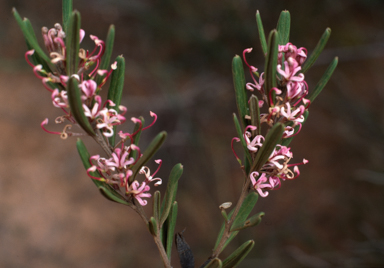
pixel 178 56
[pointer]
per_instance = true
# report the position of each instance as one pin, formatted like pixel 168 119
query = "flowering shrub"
pixel 75 77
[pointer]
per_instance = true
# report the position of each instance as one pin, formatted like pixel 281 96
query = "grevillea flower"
pixel 260 183
pixel 139 192
pixel 120 159
pixel 286 104
pixel 103 117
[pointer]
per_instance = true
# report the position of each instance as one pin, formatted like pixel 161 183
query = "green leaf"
pixel 156 205
pixel 35 56
pixel 224 214
pixel 324 79
pixel 272 138
pixel 238 255
pixel 113 196
pixel 245 209
pixel 152 226
pixel 255 114
pixel 105 189
pixel 271 62
pixel 136 138
pixel 252 221
pixel 104 65
pixel 262 38
pixel 240 133
pixel 30 36
pixel 115 91
pixel 148 153
pixel 170 193
pixel 75 103
pixel 73 43
pixel 214 263
pixel 67 11
pixel 171 228
pixel 283 27
pixel 316 52
pixel 84 155
pixel 240 91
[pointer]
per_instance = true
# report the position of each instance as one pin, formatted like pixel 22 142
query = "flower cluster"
pixel 116 170
pixel 286 104
pixel 102 116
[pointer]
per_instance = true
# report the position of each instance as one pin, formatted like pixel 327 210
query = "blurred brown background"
pixel 178 56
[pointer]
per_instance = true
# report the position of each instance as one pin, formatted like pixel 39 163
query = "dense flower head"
pixel 117 172
pixel 287 104
pixel 103 116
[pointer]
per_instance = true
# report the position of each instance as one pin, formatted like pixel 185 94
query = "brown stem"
pixel 163 254
pixel 161 249
pixel 101 141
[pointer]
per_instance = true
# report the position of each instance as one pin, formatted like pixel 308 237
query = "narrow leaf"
pixel 73 43
pixel 36 57
pixel 324 79
pixel 283 27
pixel 171 228
pixel 156 205
pixel 316 52
pixel 271 62
pixel 240 91
pixel 245 209
pixel 262 38
pixel 30 36
pixel 112 196
pixel 185 253
pixel 240 133
pixel 170 193
pixel 67 11
pixel 115 91
pixel 272 138
pixel 152 226
pixel 75 103
pixel 255 113
pixel 136 139
pixel 148 153
pixel 109 41
pixel 238 255
pixel 252 221
pixel 214 263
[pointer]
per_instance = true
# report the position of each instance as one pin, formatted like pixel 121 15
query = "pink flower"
pixel 94 113
pixel 119 159
pixel 138 192
pixel 60 98
pixel 110 119
pixel 145 170
pixel 293 115
pixel 260 183
pixel 88 87
pixel 256 142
